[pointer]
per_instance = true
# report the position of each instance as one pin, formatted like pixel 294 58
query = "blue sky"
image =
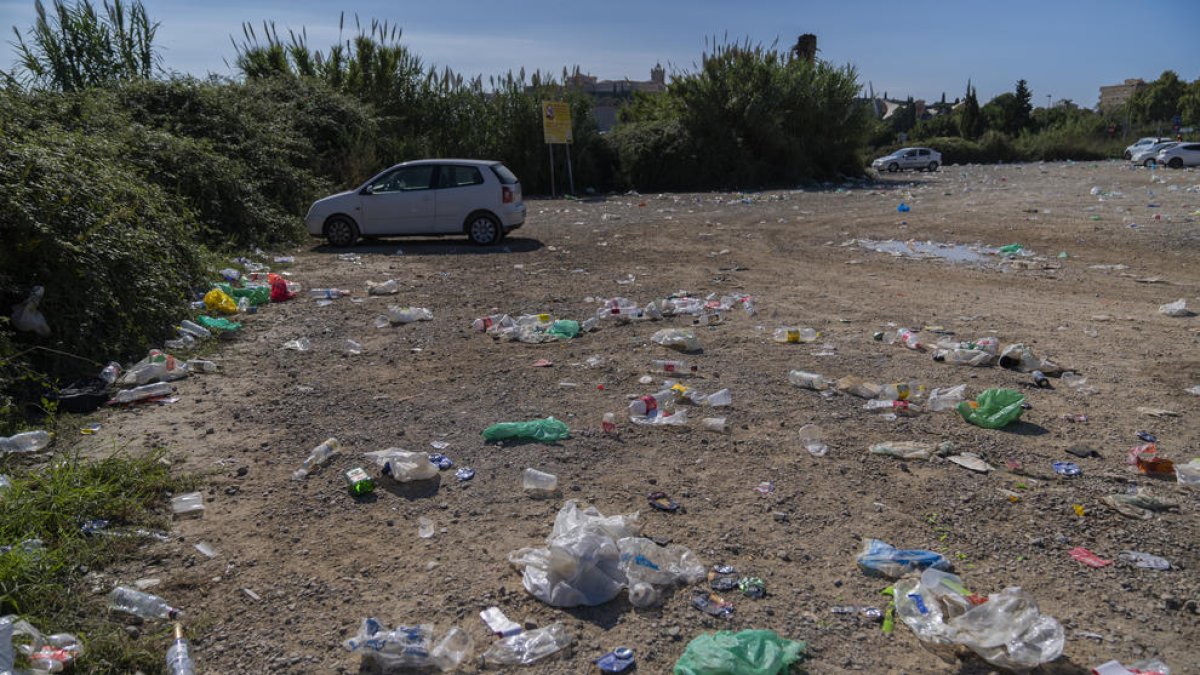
pixel 1065 48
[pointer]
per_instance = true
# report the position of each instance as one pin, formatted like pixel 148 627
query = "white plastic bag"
pixel 581 562
pixel 404 466
pixel 26 316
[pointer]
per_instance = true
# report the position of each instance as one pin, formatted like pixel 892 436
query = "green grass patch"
pixel 42 517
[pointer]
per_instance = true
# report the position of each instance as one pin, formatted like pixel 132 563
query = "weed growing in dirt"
pixel 42 517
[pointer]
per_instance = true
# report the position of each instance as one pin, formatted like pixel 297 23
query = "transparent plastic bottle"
pixel 719 398
pixel 902 391
pixel 652 404
pixel 608 423
pixel 144 392
pixel 110 374
pixel 194 329
pixel 397 314
pixel 327 293
pixel 674 367
pixel 795 334
pixel 677 419
pixel 319 456
pixel 965 357
pixel 486 323
pixel 898 407
pixel 28 441
pixel 201 366
pixel 525 648
pixel 179 658
pixel 123 599
pixel 7 657
pixel 182 343
pixel 806 380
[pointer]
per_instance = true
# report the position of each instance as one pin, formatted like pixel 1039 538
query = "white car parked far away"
pixel 480 199
pixel 921 159
pixel 1142 144
pixel 1147 156
pixel 1180 155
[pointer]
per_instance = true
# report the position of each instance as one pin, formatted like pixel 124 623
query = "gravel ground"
pixel 317 561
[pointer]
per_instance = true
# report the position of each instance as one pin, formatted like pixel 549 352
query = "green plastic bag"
pixel 1011 249
pixel 563 329
pixel 258 294
pixel 993 409
pixel 546 431
pixel 218 324
pixel 748 652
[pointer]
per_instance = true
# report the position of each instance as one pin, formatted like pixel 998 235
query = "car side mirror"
pixel 367 191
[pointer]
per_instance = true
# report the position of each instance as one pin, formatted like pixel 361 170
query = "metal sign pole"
pixel 570 171
pixel 551 147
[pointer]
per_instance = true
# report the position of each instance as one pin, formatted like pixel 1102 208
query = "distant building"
pixel 609 95
pixel 1115 95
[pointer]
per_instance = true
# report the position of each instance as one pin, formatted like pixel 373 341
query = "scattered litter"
pixel 1088 558
pixel 970 460
pixel 1176 309
pixel 747 652
pixel 1145 560
pixel 880 559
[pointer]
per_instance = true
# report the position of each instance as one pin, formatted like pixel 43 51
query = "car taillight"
pixel 506 195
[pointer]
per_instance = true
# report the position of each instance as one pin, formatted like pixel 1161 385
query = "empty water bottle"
pixel 123 599
pixel 194 329
pixel 902 391
pixel 179 658
pixel 525 648
pixel 795 334
pixel 110 374
pixel 327 293
pixel 29 441
pixel 143 393
pixel 806 380
pixel 674 367
pixel 453 650
pixel 201 366
pixel 401 315
pixel 947 399
pixel 319 456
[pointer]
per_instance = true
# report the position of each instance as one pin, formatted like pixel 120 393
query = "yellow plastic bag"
pixel 217 301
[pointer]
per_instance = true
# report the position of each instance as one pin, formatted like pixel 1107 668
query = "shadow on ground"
pixel 432 247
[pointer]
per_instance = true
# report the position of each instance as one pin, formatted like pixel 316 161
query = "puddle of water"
pixel 955 253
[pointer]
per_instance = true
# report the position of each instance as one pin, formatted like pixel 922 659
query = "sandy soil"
pixel 319 561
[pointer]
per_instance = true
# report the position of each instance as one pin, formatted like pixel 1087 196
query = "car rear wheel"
pixel 933 167
pixel 1175 163
pixel 341 231
pixel 483 229
pixel 893 167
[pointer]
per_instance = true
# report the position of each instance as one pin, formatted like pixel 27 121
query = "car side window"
pixel 923 153
pixel 460 176
pixel 405 180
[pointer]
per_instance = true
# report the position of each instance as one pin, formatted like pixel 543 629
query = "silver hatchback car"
pixel 921 159
pixel 438 197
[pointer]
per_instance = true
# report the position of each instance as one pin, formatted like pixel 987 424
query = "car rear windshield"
pixel 506 177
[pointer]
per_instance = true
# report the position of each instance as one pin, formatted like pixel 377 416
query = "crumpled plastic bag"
pixel 279 288
pixel 589 558
pixel 548 430
pixel 563 329
pixel 747 652
pixel 217 300
pixel 881 559
pixel 257 294
pixel 218 323
pixel 581 564
pixel 1008 630
pixel 387 650
pixel 993 408
pixel 1021 358
pixel 27 318
pixel 1177 308
pixel 404 466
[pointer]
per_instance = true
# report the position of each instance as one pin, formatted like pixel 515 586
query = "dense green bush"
pixel 114 253
pixel 750 117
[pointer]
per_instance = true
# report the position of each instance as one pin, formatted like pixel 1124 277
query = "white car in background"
pixel 1180 155
pixel 1147 156
pixel 921 159
pixel 1142 144
pixel 428 197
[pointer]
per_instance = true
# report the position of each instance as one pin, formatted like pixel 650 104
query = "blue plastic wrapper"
pixel 1067 469
pixel 617 661
pixel 441 461
pixel 881 559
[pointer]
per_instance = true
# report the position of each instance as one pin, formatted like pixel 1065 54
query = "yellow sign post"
pixel 556 122
pixel 556 129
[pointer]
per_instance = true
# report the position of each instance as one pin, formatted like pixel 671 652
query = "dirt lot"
pixel 319 561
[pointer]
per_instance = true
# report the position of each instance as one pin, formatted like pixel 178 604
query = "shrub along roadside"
pixel 47 584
